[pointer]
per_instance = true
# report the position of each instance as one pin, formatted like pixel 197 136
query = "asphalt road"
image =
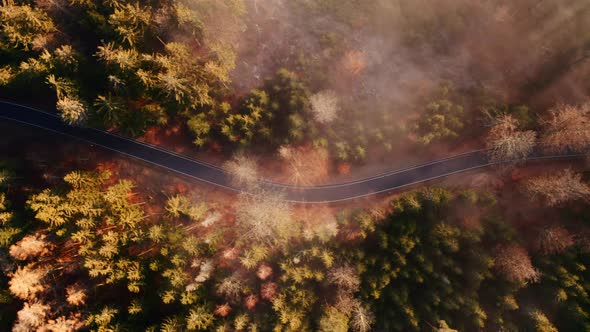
pixel 216 176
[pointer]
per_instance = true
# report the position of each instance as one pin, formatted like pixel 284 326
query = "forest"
pixel 303 93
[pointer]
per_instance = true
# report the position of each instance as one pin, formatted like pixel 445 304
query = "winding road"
pixel 214 175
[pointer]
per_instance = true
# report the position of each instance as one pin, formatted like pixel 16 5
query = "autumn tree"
pixel 515 264
pixel 554 239
pixel 31 317
pixel 558 188
pixel 506 143
pixel 28 247
pixel 566 129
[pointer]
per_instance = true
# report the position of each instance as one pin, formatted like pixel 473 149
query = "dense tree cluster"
pixel 442 120
pixel 126 65
pixel 95 259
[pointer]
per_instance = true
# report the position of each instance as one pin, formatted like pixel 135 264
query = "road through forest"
pixel 214 175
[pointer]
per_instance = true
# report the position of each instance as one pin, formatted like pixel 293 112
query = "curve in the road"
pixel 214 175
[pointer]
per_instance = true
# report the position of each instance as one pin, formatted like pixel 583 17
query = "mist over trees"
pixel 306 89
pixel 358 78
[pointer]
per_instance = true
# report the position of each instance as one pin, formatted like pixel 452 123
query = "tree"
pixel 200 127
pixel 418 267
pixel 26 282
pixel 354 62
pixel 362 319
pixel 199 319
pixel 506 143
pixel 444 327
pixel 559 188
pixel 22 26
pixel 76 295
pixel 177 205
pixel 554 240
pixel 324 106
pixel 223 310
pixel 515 264
pixel 265 217
pixel 109 108
pixel 566 129
pixel 333 320
pixel 103 319
pixel 6 75
pixel 542 323
pixel 72 110
pixel 251 301
pixel 264 271
pixel 304 165
pixel 49 208
pixel 129 21
pixel 268 291
pixel 231 287
pixel 30 246
pixel 275 114
pixel 243 171
pixel 345 277
pixel 31 317
pixel 63 324
pixel 252 121
pixel 442 120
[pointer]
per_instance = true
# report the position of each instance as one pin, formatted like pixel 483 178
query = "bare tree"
pixel 554 240
pixel 506 143
pixel 243 170
pixel 231 287
pixel 362 318
pixel 514 263
pixel 324 106
pixel 304 165
pixel 265 217
pixel 567 129
pixel 345 277
pixel 345 301
pixel 559 188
